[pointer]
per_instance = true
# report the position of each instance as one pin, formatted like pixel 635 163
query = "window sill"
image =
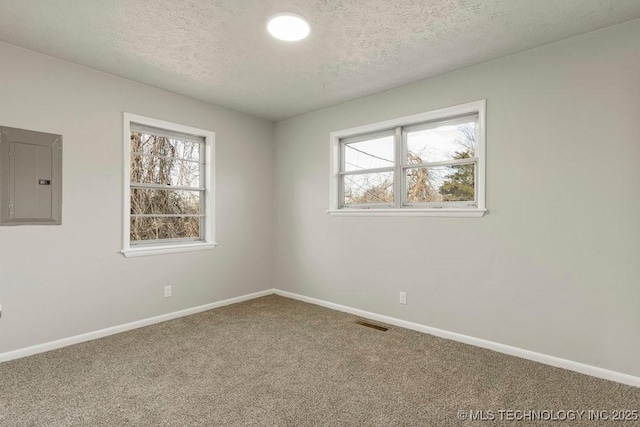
pixel 452 213
pixel 166 249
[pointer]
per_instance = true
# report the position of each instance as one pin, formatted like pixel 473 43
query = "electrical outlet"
pixel 167 291
pixel 403 297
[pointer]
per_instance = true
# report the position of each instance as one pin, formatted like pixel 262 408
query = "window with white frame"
pixel 426 164
pixel 168 187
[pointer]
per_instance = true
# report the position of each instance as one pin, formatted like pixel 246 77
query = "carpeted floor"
pixel 274 361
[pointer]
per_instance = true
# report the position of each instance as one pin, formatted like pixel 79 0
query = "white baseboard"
pixel 41 348
pixel 500 348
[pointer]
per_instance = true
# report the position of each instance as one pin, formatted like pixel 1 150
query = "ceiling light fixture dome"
pixel 288 27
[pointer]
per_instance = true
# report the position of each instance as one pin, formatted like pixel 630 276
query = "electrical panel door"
pixel 30 177
pixel 31 195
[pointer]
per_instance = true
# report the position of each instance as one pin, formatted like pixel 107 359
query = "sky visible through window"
pixel 439 144
pixel 370 154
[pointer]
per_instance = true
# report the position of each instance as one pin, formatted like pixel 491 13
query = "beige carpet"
pixel 279 362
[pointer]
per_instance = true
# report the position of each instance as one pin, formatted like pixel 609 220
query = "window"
pixel 168 194
pixel 430 164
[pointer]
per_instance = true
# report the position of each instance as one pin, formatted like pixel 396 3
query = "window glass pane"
pixel 368 188
pixel 163 146
pixel 156 228
pixel 164 171
pixel 441 184
pixel 172 202
pixel 370 154
pixel 442 143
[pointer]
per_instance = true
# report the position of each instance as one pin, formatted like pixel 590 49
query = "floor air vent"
pixel 372 326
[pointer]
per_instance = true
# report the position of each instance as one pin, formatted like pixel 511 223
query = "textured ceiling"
pixel 218 50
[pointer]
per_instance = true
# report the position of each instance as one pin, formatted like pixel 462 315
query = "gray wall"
pixel 555 265
pixel 60 281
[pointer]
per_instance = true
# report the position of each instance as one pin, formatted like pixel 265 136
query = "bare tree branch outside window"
pixel 426 184
pixel 165 188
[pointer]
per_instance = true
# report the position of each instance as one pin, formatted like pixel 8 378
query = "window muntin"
pixel 436 164
pixel 167 186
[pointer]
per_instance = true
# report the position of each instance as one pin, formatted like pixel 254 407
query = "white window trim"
pixel 475 107
pixel 209 229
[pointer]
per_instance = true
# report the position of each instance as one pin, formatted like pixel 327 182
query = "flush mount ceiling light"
pixel 288 27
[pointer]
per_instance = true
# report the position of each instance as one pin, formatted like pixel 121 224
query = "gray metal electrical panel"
pixel 30 177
